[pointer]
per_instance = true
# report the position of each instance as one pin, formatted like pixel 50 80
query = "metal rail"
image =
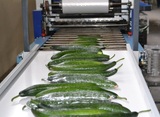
pixel 5 84
pixel 110 38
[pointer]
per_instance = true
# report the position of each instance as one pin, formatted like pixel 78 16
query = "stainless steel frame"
pixel 136 25
pixel 25 25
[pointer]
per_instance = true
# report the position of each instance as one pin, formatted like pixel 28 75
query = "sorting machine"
pixel 63 21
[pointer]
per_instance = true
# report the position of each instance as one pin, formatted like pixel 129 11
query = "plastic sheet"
pixel 85 6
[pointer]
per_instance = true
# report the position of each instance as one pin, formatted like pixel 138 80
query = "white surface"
pixel 128 79
pixel 85 6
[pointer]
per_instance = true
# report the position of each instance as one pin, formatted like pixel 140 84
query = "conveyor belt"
pixel 110 38
pixel 129 79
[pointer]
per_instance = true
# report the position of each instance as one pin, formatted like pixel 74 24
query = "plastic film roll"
pixel 85 6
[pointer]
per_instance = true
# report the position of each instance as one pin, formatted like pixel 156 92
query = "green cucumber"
pixel 85 43
pixel 84 65
pixel 79 95
pixel 96 79
pixel 81 65
pixel 80 113
pixel 81 62
pixel 86 55
pixel 76 47
pixel 63 113
pixel 60 54
pixel 79 57
pixel 35 89
pixel 70 89
pixel 59 75
pixel 77 68
pixel 39 102
pixel 106 73
pixel 88 38
pixel 104 105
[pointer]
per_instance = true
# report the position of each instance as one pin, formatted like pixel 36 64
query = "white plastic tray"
pixel 129 78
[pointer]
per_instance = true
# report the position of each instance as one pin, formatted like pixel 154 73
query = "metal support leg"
pixel 25 25
pixel 136 25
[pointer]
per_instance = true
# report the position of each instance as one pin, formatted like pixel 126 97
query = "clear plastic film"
pixel 85 6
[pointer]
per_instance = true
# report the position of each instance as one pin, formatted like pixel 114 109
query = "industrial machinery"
pixel 150 65
pixel 70 18
pixel 65 20
pixel 69 13
pixel 152 59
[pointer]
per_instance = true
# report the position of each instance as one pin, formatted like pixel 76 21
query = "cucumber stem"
pixel 24 107
pixel 121 98
pixel 119 60
pixel 43 79
pixel 144 111
pixel 112 57
pixel 119 66
pixel 100 52
pixel 115 87
pixel 14 98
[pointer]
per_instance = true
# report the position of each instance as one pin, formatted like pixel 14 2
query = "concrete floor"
pixel 154 26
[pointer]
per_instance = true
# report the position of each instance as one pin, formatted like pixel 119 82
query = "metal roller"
pixel 85 6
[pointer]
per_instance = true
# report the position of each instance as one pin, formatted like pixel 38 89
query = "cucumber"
pixel 63 113
pixel 81 65
pixel 39 102
pixel 85 43
pixel 52 76
pixel 80 113
pixel 82 56
pixel 86 55
pixel 88 38
pixel 78 68
pixel 58 61
pixel 79 95
pixel 70 89
pixel 81 62
pixel 76 47
pixel 101 81
pixel 35 89
pixel 60 54
pixel 104 105
pixel 107 73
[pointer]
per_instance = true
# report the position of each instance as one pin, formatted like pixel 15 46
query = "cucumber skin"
pixel 77 95
pixel 57 75
pixel 100 81
pixel 80 113
pixel 81 62
pixel 60 54
pixel 70 89
pixel 106 73
pixel 59 61
pixel 104 105
pixel 77 68
pixel 35 89
pixel 82 55
pixel 77 47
